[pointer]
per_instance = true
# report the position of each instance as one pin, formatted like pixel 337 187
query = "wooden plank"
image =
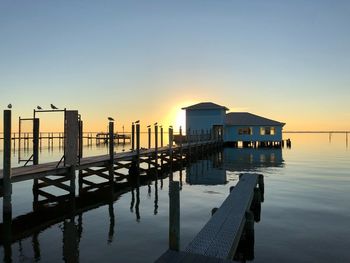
pixel 220 236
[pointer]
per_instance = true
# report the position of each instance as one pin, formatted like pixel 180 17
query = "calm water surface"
pixel 305 215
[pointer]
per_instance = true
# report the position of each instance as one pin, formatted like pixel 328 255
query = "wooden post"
pixel 138 146
pixel 80 139
pixel 138 137
pixel 249 236
pixel 149 136
pixel 71 174
pixel 7 186
pixel 111 141
pixel 170 138
pixel 71 145
pixel 71 141
pixel 161 136
pixel 19 136
pixel 111 151
pixel 174 215
pixel 36 141
pixel 180 131
pixel 261 186
pixel 133 136
pixel 156 136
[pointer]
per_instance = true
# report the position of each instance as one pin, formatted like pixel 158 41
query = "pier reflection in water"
pixel 67 212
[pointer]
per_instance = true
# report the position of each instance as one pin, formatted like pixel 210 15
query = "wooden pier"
pixel 111 167
pixel 163 154
pixel 219 238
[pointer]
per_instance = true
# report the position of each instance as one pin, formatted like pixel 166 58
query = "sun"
pixel 180 120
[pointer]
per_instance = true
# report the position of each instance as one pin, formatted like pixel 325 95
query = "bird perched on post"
pixel 9 106
pixel 110 119
pixel 53 107
pixel 39 108
pixel 156 124
pixel 138 121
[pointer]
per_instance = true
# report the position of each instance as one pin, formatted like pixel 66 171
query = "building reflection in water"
pixel 68 210
pixel 252 159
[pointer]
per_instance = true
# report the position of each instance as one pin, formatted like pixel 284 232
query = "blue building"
pixel 235 128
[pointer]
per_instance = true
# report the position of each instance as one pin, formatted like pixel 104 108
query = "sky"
pixel 144 60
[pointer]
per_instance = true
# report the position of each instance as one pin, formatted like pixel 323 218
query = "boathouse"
pixel 205 116
pixel 236 127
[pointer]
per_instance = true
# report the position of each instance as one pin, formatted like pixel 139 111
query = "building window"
pixel 267 130
pixel 245 131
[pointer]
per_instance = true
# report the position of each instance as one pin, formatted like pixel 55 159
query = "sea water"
pixel 304 217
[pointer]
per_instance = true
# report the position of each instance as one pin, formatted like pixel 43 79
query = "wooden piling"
pixel 35 141
pixel 7 186
pixel 149 136
pixel 161 136
pixel 261 187
pixel 71 141
pixel 180 131
pixel 156 136
pixel 72 180
pixel 133 136
pixel 174 215
pixel 138 146
pixel 111 141
pixel 171 138
pixel 80 139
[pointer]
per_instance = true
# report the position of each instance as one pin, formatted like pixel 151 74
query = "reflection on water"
pixel 67 212
pixel 249 159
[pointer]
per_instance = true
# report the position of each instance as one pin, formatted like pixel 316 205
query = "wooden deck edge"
pixel 215 238
pixel 171 256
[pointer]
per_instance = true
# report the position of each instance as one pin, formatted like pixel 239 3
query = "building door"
pixel 218 132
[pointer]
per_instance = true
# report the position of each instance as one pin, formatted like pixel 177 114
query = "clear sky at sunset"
pixel 284 60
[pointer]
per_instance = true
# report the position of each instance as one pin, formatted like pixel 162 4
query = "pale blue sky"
pixel 285 60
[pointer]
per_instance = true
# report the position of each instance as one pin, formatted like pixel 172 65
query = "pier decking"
pixel 219 238
pixel 41 170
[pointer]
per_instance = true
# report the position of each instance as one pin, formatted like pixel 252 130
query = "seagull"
pixel 9 106
pixel 156 124
pixel 53 107
pixel 138 121
pixel 39 108
pixel 110 119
